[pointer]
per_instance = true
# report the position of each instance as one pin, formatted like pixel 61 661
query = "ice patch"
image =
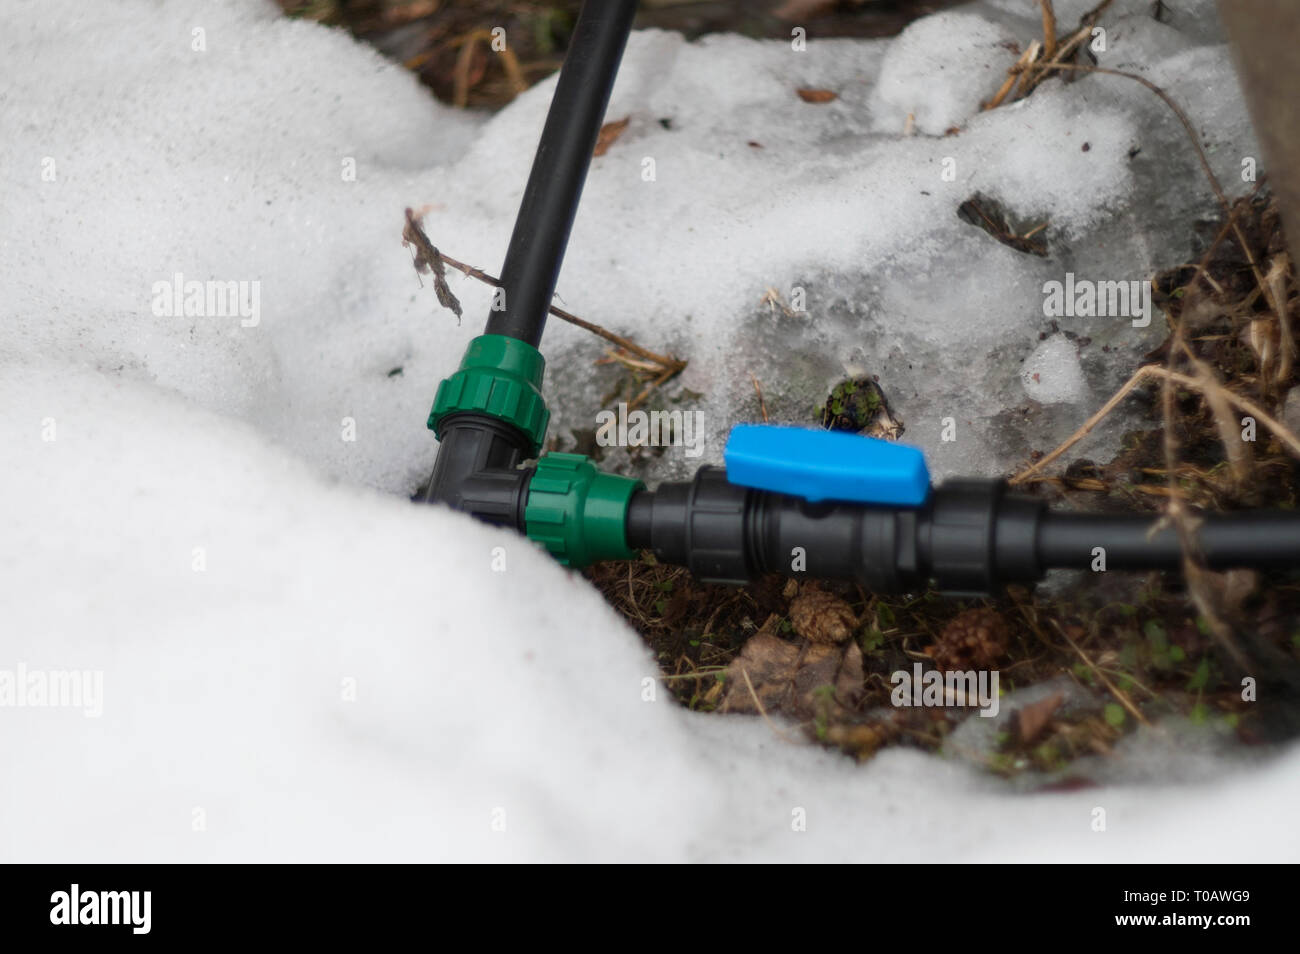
pixel 1052 374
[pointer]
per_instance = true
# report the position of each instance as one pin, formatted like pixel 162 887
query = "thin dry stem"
pixel 762 405
pixel 670 365
pixel 1114 690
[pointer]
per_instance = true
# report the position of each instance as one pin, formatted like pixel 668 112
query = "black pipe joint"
pixel 970 537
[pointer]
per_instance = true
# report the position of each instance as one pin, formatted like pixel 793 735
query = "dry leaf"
pixel 769 661
pixel 1033 718
pixel 816 95
pixel 794 681
pixel 428 259
pixel 989 215
pixel 608 133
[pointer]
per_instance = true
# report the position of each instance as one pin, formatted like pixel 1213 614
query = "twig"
pixel 1029 70
pixel 646 391
pixel 1115 691
pixel 629 362
pixel 1049 29
pixel 427 252
pixel 460 75
pixel 762 405
pixel 1016 70
pixel 429 259
pixel 1213 390
pixel 1278 429
pixel 1137 378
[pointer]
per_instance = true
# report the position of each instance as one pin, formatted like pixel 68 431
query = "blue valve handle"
pixel 826 465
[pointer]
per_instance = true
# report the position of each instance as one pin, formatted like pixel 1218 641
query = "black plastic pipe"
pixel 475 469
pixel 971 537
pixel 550 201
pixel 1138 542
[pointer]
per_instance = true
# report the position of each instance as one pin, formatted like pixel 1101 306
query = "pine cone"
pixel 973 639
pixel 822 617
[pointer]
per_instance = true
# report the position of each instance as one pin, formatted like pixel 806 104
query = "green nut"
pixel 499 376
pixel 577 512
